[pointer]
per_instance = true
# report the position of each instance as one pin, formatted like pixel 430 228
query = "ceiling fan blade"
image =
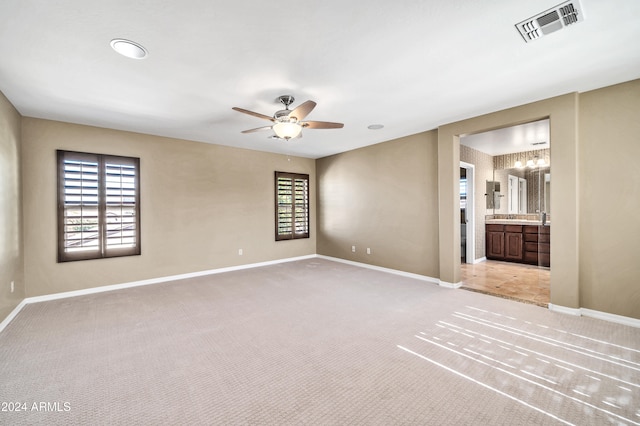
pixel 322 125
pixel 302 110
pixel 255 114
pixel 257 129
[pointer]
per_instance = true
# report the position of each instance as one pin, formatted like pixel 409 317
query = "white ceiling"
pixel 411 65
pixel 523 137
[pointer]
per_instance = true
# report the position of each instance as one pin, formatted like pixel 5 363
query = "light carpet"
pixel 313 342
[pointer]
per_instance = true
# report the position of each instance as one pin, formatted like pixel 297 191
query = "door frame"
pixel 470 255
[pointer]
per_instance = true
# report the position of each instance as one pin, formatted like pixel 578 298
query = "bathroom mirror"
pixel 527 190
pixel 493 195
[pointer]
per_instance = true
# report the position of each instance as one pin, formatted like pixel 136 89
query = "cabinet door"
pixel 513 246
pixel 495 245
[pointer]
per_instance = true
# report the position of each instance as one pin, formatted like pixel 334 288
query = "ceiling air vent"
pixel 551 20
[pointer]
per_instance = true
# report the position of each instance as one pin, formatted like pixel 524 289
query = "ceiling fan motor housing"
pixel 286 100
pixel 283 113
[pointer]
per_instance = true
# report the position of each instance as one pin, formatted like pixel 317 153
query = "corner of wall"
pixel 12 286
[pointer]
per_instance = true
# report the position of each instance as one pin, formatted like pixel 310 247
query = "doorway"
pixel 516 159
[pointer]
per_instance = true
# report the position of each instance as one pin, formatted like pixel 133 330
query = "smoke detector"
pixel 552 20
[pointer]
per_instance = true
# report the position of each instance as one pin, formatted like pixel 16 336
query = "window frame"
pixel 102 250
pixel 293 235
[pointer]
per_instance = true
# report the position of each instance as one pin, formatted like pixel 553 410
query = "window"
pixel 98 206
pixel 463 193
pixel 292 206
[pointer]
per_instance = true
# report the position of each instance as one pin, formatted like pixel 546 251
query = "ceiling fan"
pixel 288 123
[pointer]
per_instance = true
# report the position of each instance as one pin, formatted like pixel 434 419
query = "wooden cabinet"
pixel 531 245
pixel 519 243
pixel 544 246
pixel 513 242
pixel 537 245
pixel 495 241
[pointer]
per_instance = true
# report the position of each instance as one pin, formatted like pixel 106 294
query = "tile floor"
pixel 525 283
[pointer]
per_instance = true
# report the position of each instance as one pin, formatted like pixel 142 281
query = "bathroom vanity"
pixel 521 241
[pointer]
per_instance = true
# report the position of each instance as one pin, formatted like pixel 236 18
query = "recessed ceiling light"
pixel 375 126
pixel 128 48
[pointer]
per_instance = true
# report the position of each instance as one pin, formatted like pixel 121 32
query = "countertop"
pixel 515 222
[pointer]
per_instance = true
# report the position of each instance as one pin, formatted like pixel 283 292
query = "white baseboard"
pixel 102 289
pixel 449 285
pixel 112 287
pixel 5 322
pixel 632 322
pixel 565 310
pixel 605 316
pixel 482 259
pixel 382 269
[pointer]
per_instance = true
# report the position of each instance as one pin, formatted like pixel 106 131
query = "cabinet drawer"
pixel 545 238
pixel 531 257
pixel 531 247
pixel 544 248
pixel 495 228
pixel 529 229
pixel 544 259
pixel 531 237
pixel 513 228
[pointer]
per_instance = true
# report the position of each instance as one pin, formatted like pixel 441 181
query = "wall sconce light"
pixel 534 162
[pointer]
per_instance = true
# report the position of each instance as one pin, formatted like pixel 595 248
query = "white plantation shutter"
pixel 98 206
pixel 292 206
pixel 121 204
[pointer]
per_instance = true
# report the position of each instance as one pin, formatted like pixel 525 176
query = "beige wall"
pixel 594 148
pixel 200 203
pixel 11 246
pixel 383 197
pixel 563 114
pixel 609 154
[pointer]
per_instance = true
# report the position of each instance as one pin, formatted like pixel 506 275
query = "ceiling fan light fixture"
pixel 288 123
pixel 287 129
pixel 129 48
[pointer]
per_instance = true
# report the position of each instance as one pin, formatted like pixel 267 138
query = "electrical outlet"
pixel 368 250
pixel 240 252
pixel 12 286
pixel 353 249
